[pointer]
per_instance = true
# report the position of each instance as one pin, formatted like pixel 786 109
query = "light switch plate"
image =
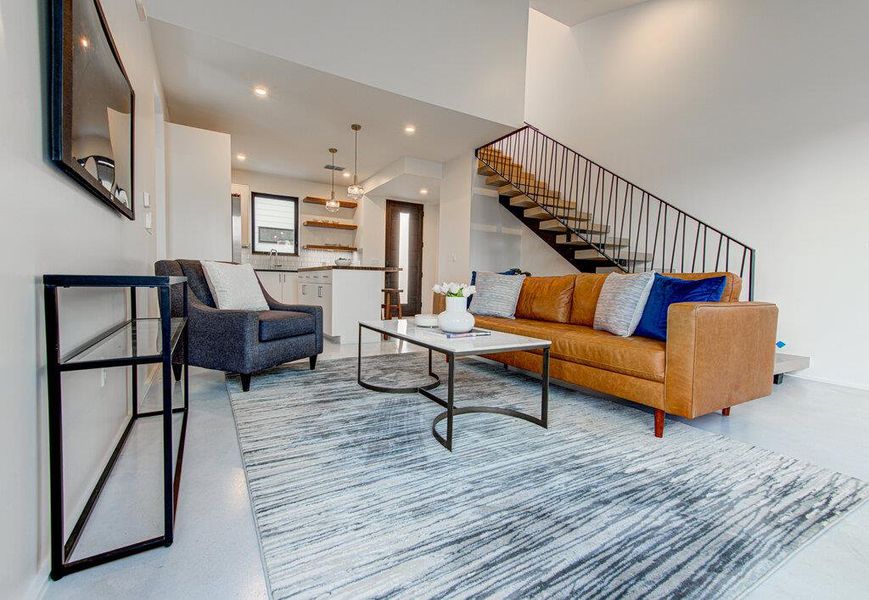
pixel 146 199
pixel 148 220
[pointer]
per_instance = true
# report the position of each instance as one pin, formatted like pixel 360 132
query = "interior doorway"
pixel 404 245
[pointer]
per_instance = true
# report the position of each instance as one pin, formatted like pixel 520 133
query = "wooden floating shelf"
pixel 330 248
pixel 328 225
pixel 322 201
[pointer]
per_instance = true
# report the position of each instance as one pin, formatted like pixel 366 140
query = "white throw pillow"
pixel 621 302
pixel 234 287
pixel 496 294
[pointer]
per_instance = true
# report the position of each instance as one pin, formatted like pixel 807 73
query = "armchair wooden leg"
pixel 245 382
pixel 176 371
pixel 313 360
pixel 725 411
pixel 659 422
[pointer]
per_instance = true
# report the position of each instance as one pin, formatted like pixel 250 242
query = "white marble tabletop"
pixel 431 337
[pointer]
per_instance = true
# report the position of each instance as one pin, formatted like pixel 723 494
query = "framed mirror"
pixel 274 224
pixel 91 104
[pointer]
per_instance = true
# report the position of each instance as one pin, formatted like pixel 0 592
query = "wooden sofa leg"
pixel 725 411
pixel 245 382
pixel 659 422
pixel 313 360
pixel 176 371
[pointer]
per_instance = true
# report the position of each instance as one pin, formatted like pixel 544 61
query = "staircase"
pixel 598 220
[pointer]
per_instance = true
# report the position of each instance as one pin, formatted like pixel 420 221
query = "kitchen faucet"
pixel 273 255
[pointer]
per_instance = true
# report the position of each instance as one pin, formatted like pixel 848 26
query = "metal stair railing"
pixel 632 228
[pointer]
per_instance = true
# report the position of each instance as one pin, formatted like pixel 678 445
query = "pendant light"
pixel 333 205
pixel 355 191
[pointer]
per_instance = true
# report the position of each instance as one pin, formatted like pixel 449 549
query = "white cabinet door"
pixel 323 293
pixel 272 282
pixel 290 288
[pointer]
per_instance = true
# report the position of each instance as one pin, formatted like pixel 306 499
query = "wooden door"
pixel 404 250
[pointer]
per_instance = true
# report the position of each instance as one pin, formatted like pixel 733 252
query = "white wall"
pixel 500 241
pixel 751 114
pixel 198 183
pixel 454 219
pixel 467 56
pixel 54 226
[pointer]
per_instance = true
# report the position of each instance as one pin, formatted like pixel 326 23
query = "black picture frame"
pixel 253 238
pixel 60 100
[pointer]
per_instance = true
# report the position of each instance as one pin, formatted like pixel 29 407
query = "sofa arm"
pixel 718 354
pixel 222 338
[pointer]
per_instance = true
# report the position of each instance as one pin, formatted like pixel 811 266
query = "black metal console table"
pixel 124 345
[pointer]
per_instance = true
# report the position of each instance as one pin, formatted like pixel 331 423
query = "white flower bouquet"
pixel 454 290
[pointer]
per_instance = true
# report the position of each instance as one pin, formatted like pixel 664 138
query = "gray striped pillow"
pixel 621 302
pixel 496 294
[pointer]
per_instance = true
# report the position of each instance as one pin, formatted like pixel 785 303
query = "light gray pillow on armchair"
pixel 234 287
pixel 496 295
pixel 621 302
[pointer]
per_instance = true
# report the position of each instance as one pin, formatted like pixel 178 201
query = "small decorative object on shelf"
pixel 456 318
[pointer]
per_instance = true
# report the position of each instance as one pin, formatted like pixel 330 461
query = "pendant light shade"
pixel 355 191
pixel 333 205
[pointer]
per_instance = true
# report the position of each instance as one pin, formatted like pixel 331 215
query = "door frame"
pixel 392 278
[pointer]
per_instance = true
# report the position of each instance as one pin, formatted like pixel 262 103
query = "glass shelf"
pixel 132 342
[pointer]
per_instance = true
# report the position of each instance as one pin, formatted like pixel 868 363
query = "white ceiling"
pixel 573 12
pixel 208 83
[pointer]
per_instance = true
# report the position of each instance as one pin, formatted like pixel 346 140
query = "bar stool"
pixel 391 303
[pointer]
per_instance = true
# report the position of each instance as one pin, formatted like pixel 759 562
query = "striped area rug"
pixel 353 497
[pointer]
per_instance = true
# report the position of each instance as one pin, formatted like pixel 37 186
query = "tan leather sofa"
pixel 717 354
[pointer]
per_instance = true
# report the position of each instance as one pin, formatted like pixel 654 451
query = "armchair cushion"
pixel 234 287
pixel 280 324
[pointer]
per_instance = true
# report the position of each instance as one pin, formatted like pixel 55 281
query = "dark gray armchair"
pixel 241 341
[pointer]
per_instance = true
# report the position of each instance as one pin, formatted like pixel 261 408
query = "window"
pixel 274 223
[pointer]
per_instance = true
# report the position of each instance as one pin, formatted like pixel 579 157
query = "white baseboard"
pixel 847 384
pixel 37 588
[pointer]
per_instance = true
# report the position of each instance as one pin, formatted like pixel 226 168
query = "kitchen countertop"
pixel 278 270
pixel 350 268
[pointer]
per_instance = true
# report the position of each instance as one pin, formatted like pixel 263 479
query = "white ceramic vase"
pixel 456 318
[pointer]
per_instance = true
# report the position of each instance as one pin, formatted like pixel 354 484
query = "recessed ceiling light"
pixel 261 91
pixel 409 129
pixel 85 42
pixel 423 191
pixel 241 157
pixel 345 174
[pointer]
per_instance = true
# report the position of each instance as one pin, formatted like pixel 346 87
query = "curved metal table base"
pixel 480 409
pixel 451 409
pixel 402 390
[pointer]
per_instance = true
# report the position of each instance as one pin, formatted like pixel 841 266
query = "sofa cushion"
pixel 546 298
pixel 636 356
pixel 670 290
pixel 621 302
pixel 586 291
pixel 732 283
pixel 496 294
pixel 280 324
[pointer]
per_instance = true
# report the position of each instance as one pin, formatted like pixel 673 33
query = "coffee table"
pixel 432 340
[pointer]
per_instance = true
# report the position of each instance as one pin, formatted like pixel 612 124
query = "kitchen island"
pixel 347 294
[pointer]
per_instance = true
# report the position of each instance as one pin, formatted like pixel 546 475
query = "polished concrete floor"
pixel 216 556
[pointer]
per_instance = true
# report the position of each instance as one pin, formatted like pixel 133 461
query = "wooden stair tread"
pixel 613 242
pixel 539 212
pixel 625 257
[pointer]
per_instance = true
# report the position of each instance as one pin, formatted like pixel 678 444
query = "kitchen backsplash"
pixel 306 258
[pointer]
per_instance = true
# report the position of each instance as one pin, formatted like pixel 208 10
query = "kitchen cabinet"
pixel 282 286
pixel 347 296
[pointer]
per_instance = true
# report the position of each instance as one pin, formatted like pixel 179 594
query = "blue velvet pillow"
pixel 669 290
